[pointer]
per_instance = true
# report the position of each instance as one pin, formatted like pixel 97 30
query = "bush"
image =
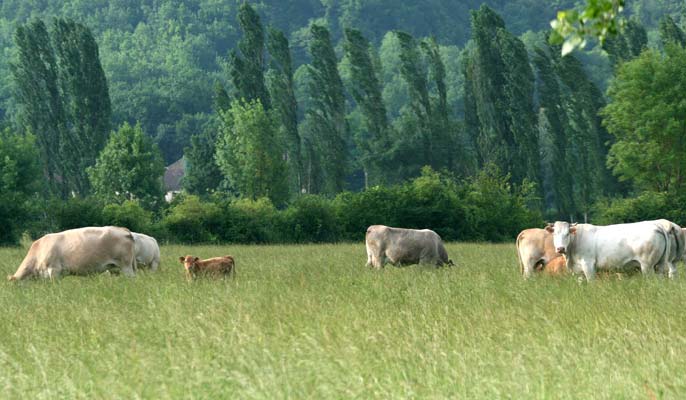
pixel 495 210
pixel 130 215
pixel 250 221
pixel 75 213
pixel 356 211
pixel 310 219
pixel 646 206
pixel 191 221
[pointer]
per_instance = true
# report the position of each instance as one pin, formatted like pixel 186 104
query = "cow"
pixel 404 246
pixel 217 266
pixel 147 250
pixel 79 251
pixel 535 251
pixel 589 247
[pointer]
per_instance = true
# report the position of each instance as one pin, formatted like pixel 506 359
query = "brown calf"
pixel 556 266
pixel 216 266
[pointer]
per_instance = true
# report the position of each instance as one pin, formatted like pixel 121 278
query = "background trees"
pixel 63 97
pixel 351 96
pixel 130 167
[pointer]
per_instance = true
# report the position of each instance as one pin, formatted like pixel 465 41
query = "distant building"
pixel 172 178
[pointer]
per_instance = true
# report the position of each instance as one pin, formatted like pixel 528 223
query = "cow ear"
pixel 572 230
pixel 196 259
pixel 550 228
pixel 182 259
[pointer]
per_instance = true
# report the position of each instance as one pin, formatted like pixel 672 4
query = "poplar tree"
pixel 248 64
pixel 38 97
pixel 670 32
pixel 326 125
pixel 374 141
pixel 627 45
pixel 85 98
pixel 280 84
pixel 501 95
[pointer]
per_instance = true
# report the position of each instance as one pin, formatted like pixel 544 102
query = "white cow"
pixel 79 252
pixel 404 246
pixel 588 247
pixel 147 250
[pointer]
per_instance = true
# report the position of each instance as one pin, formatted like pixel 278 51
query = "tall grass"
pixel 312 322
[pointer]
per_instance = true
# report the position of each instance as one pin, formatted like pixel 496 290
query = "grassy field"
pixel 312 322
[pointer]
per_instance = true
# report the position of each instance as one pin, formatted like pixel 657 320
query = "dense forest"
pixel 272 100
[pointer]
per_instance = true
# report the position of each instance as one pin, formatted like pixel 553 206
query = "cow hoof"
pixel 11 278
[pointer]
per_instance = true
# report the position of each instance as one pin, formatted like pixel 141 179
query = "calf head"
pixel 189 263
pixel 562 235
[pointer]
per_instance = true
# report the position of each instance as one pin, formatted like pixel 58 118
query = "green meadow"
pixel 311 321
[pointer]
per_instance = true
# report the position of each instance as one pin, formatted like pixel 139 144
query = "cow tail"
pixel 666 256
pixel 680 241
pixel 519 257
pixel 134 262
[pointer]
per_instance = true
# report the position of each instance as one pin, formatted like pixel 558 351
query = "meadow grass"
pixel 311 321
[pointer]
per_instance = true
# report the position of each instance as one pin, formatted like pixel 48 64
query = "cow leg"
pixel 53 273
pixel 648 269
pixel 588 268
pixel 672 270
pixel 128 270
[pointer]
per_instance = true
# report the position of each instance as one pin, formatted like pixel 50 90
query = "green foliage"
pixel 670 32
pixel 647 118
pixel 74 212
pixel 86 101
pixel 326 132
pixel 282 92
pixel 310 219
pixel 130 214
pixel 37 96
pixel 628 44
pixel 645 206
pixel 20 175
pixel 129 168
pixel 202 175
pixel 251 221
pixel 499 99
pixel 599 19
pixel 247 67
pixel 373 141
pixel 63 94
pixel 249 154
pixel 189 220
pixel 494 209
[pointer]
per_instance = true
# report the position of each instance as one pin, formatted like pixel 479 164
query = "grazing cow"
pixel 147 250
pixel 588 247
pixel 79 252
pixel 216 266
pixel 404 246
pixel 536 251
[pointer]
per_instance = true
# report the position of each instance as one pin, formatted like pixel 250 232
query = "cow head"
pixel 189 262
pixel 562 235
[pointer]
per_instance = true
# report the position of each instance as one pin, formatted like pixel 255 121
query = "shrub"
pixel 130 215
pixel 646 206
pixel 310 219
pixel 250 221
pixel 75 213
pixel 191 221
